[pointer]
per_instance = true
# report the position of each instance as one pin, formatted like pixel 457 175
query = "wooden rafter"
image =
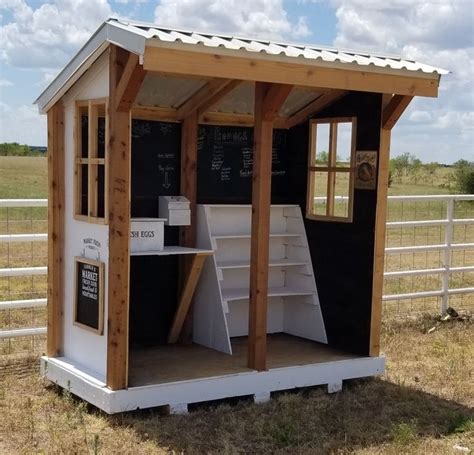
pixel 214 99
pixel 259 69
pixel 394 110
pixel 314 107
pixel 200 97
pixel 56 190
pixel 129 84
pixel 119 143
pixel 265 109
pixel 274 99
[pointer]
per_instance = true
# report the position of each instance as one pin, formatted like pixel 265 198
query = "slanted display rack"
pixel 222 296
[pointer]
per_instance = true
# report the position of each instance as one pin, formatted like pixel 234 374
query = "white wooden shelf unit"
pixel 221 299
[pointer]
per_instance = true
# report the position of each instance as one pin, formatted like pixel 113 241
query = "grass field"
pixel 422 405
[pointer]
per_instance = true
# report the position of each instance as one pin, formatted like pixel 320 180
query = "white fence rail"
pixel 446 249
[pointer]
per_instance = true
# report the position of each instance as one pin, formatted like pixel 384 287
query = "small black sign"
pixel 89 302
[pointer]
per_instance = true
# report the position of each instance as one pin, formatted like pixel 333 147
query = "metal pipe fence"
pixel 429 259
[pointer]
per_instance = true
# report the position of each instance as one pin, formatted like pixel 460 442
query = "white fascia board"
pixel 202 48
pixel 108 33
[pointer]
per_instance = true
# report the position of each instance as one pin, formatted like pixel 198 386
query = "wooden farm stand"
pixel 276 283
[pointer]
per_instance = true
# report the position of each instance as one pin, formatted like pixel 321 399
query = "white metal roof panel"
pixel 134 36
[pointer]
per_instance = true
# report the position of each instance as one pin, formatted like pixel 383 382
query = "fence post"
pixel 448 240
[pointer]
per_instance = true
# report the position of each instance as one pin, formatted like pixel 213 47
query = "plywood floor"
pixel 171 363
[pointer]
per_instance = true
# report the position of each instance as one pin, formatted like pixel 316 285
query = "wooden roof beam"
pixel 129 84
pixel 274 99
pixel 314 107
pixel 394 110
pixel 201 96
pixel 259 68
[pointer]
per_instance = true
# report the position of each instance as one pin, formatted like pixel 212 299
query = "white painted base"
pixel 335 386
pixel 262 397
pixel 177 395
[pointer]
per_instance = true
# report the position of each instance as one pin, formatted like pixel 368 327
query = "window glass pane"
pixel 84 190
pixel 320 186
pixel 101 191
pixel 341 195
pixel 344 141
pixel 322 144
pixel 84 132
pixel 101 138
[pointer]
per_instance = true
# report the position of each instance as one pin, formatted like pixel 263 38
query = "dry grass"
pixel 423 404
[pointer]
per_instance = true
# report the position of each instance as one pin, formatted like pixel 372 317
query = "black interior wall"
pixel 342 253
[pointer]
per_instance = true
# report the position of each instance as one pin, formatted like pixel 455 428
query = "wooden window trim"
pixel 96 108
pixel 331 169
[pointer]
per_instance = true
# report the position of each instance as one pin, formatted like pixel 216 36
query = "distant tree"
pixel 322 157
pixel 14 149
pixel 464 176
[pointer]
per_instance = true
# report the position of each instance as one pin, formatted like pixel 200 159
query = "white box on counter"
pixel 175 209
pixel 146 234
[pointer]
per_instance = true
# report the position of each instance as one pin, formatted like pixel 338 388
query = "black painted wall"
pixel 342 253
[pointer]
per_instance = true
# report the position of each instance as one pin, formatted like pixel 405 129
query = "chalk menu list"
pixel 225 163
pixel 89 305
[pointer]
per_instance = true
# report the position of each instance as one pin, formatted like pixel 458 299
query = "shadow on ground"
pixel 367 413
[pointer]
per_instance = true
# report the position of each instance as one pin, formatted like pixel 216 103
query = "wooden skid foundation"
pixel 178 395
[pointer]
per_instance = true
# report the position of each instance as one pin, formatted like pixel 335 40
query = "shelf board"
pixel 247 236
pixel 273 263
pixel 229 295
pixel 173 249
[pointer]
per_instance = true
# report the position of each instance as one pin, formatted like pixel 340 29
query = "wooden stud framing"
pixel 119 228
pixel 56 189
pixel 259 68
pixel 265 111
pixel 325 100
pixel 394 110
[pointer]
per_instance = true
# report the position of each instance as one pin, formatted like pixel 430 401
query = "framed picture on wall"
pixel 89 295
pixel 366 170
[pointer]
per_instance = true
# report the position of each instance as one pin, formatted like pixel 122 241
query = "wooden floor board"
pixel 171 363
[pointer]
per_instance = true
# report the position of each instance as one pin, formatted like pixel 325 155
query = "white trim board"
pixel 83 384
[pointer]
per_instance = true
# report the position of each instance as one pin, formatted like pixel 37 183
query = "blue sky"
pixel 39 37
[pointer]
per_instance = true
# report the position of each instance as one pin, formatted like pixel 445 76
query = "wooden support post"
pixel 265 112
pixel 189 137
pixel 55 229
pixel 119 228
pixel 379 249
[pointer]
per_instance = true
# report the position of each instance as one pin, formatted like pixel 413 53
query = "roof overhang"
pixel 203 55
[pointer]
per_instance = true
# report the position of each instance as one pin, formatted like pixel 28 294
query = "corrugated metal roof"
pixel 134 36
pixel 311 52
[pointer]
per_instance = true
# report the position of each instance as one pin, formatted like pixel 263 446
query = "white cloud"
pixel 5 83
pixel 46 37
pixel 22 124
pixel 254 18
pixel 440 33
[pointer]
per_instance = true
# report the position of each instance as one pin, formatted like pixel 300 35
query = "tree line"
pixel 16 149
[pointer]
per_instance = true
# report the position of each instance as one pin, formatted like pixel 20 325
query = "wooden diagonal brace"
pixel 394 110
pixel 129 84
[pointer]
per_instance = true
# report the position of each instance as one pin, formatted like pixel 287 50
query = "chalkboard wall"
pixel 225 165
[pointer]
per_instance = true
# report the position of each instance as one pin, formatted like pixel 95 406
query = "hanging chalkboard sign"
pixel 89 295
pixel 225 164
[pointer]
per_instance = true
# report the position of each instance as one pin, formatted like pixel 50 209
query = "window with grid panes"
pixel 91 161
pixel 331 169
